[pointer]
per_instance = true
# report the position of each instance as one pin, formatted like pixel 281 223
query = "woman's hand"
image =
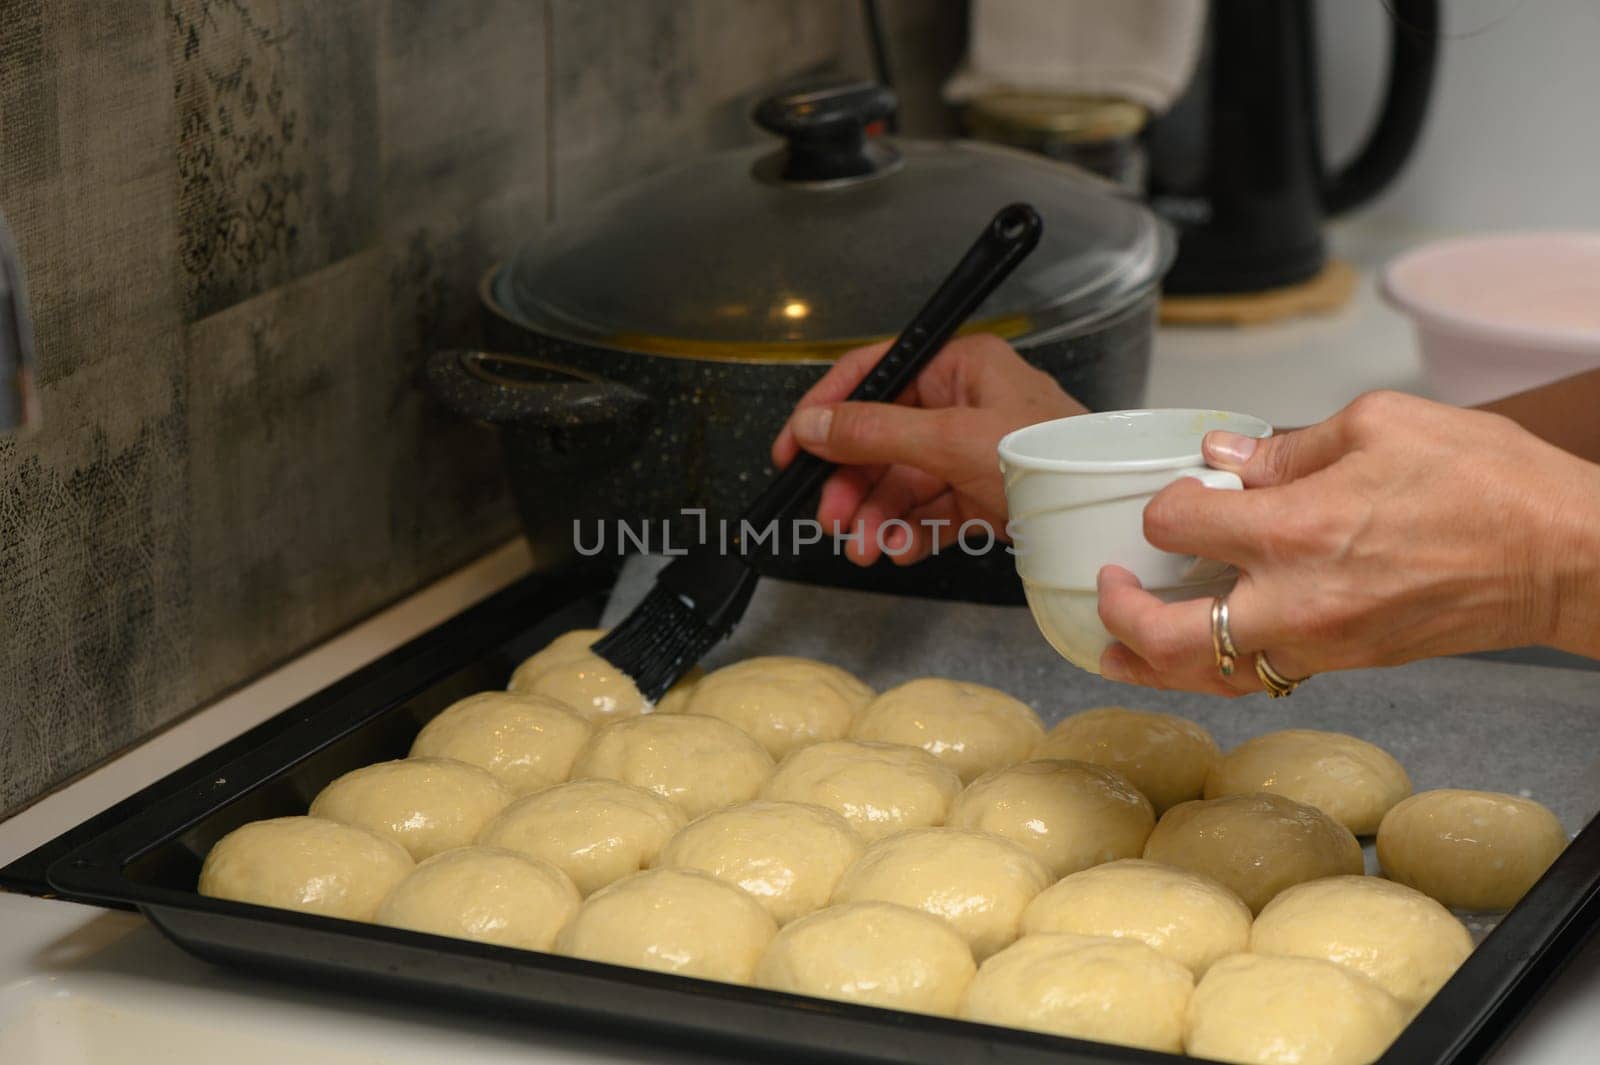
pixel 927 460
pixel 1398 529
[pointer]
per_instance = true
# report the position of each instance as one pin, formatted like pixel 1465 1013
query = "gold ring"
pixel 1278 686
pixel 1221 638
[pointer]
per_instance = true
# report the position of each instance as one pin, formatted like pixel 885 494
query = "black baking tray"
pixel 146 854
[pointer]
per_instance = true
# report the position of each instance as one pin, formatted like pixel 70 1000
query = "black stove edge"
pixel 539 595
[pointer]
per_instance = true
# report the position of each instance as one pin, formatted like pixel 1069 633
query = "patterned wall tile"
pixel 95 647
pixel 462 106
pixel 636 87
pixel 86 177
pixel 462 103
pixel 277 144
pixel 288 505
pixel 246 223
pixel 94 578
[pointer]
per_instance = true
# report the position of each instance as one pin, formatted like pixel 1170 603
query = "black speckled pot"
pixel 600 435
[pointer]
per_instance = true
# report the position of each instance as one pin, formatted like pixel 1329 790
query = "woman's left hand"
pixel 1398 529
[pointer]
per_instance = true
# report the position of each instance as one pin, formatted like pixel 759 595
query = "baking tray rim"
pixel 1497 982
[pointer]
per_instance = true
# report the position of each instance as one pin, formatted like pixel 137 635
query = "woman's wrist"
pixel 1575 552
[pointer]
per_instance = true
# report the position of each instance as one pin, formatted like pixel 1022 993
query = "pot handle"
pixel 518 389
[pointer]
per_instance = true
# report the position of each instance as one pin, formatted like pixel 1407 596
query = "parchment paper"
pixel 1452 722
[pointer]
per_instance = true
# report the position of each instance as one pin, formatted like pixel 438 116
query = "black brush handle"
pixel 1006 241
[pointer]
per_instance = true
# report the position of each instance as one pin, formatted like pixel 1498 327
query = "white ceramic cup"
pixel 1076 490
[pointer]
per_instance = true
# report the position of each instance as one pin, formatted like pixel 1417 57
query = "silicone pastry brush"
pixel 699 597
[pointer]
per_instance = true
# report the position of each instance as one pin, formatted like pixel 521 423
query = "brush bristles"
pixel 658 642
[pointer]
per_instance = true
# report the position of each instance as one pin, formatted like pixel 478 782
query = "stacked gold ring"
pixel 1278 686
pixel 1221 638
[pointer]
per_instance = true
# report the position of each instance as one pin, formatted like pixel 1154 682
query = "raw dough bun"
pixel 968 727
pixel 788 856
pixel 1408 944
pixel 1252 1008
pixel 1471 850
pixel 700 763
pixel 484 893
pixel 1085 987
pixel 305 863
pixel 880 788
pixel 1349 779
pixel 874 953
pixel 427 805
pixel 673 920
pixel 1163 755
pixel 527 741
pixel 1190 918
pixel 567 671
pixel 979 883
pixel 1069 815
pixel 782 703
pixel 1254 845
pixel 595 831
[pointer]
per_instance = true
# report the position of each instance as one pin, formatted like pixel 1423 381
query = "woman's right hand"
pixel 1398 529
pixel 928 460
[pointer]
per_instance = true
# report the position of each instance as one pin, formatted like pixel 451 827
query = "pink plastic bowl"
pixel 1501 314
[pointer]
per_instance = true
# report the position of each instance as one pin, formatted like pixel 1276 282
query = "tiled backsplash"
pixel 245 222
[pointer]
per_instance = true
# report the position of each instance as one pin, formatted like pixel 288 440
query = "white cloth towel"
pixel 1139 50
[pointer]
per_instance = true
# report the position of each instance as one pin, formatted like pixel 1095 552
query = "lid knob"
pixel 826 130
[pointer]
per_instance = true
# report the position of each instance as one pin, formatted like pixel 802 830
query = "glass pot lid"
pixel 830 240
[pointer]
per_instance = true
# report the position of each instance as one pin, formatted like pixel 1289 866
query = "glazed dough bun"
pixel 309 864
pixel 781 703
pixel 700 763
pixel 1408 944
pixel 527 741
pixel 1086 987
pixel 979 883
pixel 1190 918
pixel 788 856
pixel 874 953
pixel 1165 756
pixel 486 894
pixel 595 831
pixel 569 672
pixel 1069 815
pixel 427 805
pixel 880 788
pixel 1252 1008
pixel 1254 845
pixel 672 920
pixel 1349 779
pixel 970 728
pixel 1471 850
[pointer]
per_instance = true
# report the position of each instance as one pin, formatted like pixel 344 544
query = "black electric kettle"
pixel 1237 165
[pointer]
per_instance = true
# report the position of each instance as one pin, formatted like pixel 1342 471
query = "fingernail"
pixel 811 425
pixel 1230 449
pixel 1111 669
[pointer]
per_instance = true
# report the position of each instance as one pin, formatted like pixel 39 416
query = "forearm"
pixel 1566 413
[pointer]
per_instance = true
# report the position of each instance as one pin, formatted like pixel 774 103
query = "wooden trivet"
pixel 1330 290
